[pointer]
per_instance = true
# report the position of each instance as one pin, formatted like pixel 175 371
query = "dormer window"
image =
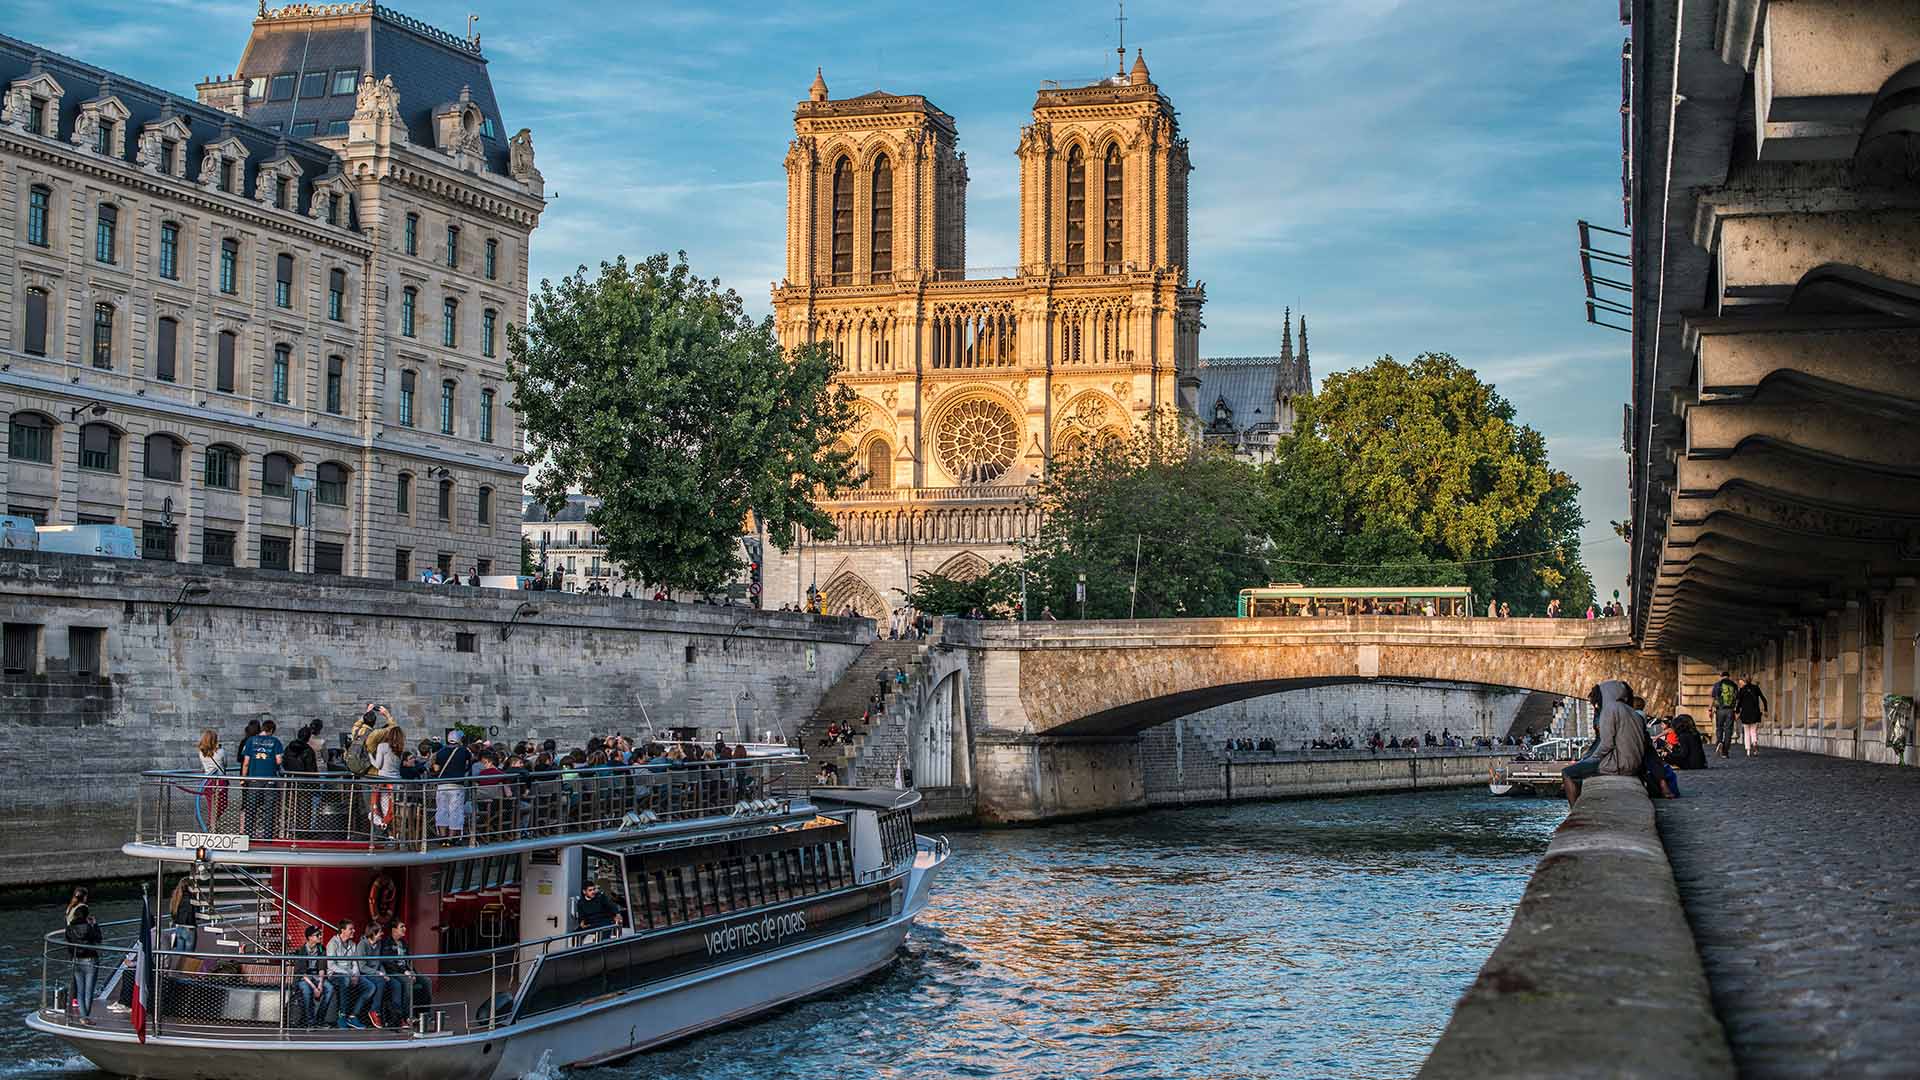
pixel 169 149
pixel 281 188
pixel 333 209
pixel 346 81
pixel 103 138
pixel 37 115
pixel 282 88
pixel 257 88
pixel 226 174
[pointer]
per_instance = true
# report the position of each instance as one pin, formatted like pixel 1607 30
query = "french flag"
pixel 142 969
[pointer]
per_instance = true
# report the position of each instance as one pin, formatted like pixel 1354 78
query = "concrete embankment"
pixel 1598 976
pixel 1299 775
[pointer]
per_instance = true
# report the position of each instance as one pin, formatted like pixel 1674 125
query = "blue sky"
pixel 1406 172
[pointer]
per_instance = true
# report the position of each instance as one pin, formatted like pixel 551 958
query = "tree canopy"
pixel 1419 474
pixel 650 388
pixel 1192 519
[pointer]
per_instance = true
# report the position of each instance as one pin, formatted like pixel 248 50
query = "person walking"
pixel 83 932
pixel 1724 695
pixel 1750 704
pixel 1493 608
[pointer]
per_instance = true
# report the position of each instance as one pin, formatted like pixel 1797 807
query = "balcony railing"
pixel 381 813
pixel 970 493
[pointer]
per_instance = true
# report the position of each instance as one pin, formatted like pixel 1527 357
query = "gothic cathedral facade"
pixel 968 384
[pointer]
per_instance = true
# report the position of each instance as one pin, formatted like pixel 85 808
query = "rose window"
pixel 976 441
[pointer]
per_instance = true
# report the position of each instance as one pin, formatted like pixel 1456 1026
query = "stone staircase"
pixel 1695 696
pixel 868 760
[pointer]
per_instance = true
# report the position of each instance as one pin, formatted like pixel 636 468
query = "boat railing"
pixel 228 812
pixel 253 996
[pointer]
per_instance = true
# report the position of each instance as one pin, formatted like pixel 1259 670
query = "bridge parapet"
pixel 1373 629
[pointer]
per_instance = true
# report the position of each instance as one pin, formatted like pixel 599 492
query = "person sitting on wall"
pixel 827 776
pixel 1689 750
pixel 1620 743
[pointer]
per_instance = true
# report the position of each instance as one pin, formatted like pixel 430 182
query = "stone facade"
pixel 100 685
pixel 210 306
pixel 1773 154
pixel 968 384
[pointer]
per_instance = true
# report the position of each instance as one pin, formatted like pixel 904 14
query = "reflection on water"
pixel 1314 938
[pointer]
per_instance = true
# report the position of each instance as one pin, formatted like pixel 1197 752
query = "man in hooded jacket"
pixel 1619 745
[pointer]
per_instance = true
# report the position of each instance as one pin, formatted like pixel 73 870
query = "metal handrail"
pixel 428 813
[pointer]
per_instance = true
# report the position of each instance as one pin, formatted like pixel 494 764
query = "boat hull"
pixel 587 1034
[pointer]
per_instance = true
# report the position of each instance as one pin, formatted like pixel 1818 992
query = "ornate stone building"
pixel 969 384
pixel 300 282
pixel 1246 402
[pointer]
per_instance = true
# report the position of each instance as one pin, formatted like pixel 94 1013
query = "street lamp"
pixel 1080 591
pixel 192 590
pixel 525 610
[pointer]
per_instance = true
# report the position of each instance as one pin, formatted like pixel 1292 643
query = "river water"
pixel 1316 938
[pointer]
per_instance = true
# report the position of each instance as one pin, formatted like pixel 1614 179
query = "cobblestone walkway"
pixel 1801 878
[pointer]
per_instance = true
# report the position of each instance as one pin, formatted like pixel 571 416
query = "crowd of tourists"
pixel 1377 742
pixel 473 780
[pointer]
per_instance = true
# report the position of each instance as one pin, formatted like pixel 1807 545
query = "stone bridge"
pixel 1056 707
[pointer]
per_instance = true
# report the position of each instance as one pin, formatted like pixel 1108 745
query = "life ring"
pixel 382 899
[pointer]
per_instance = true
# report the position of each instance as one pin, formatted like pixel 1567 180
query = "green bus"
pixel 1436 601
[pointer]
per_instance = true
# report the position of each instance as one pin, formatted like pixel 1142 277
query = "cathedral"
pixel 968 384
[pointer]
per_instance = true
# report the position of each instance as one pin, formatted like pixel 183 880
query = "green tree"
pixel 529 564
pixel 995 593
pixel 650 387
pixel 1193 518
pixel 1408 474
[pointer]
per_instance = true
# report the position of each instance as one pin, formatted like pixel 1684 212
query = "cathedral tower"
pixel 876 192
pixel 1103 180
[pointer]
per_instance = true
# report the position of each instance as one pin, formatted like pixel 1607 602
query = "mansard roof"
pixel 147 105
pixel 429 66
pixel 1250 385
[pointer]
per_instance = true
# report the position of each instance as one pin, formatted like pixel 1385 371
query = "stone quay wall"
pixel 1599 946
pixel 1252 776
pixel 98 686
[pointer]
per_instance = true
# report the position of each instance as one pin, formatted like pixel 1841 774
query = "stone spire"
pixel 1139 73
pixel 1303 341
pixel 818 91
pixel 1286 338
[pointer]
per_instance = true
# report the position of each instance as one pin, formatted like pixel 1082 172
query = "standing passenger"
pixel 213 790
pixel 260 762
pixel 82 932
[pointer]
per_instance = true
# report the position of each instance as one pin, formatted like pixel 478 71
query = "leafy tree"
pixel 650 387
pixel 995 593
pixel 1193 518
pixel 1418 474
pixel 529 565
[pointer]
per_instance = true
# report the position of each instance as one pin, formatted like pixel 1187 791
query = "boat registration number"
pixel 211 841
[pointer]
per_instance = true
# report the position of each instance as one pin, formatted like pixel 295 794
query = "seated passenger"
pixel 407 989
pixel 311 990
pixel 374 971
pixel 350 990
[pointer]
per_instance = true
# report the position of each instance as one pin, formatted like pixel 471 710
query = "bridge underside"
pixel 1138 716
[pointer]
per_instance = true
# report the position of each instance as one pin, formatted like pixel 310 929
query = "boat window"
pixel 756 885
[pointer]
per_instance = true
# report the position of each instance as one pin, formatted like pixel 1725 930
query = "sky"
pixel 1407 173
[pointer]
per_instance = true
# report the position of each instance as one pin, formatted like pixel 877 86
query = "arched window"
pixel 99 448
pixel 106 233
pixel 330 483
pixel 446 500
pixel 403 495
pixel 103 336
pixel 450 322
pixel 30 438
pixel 484 514
pixel 224 362
pixel 276 476
pixel 447 390
pixel 282 366
pixel 1111 233
pixel 409 307
pixel 879 465
pixel 222 467
pixel 882 233
pixel 336 384
pixel 283 281
pixel 1076 212
pixel 489 320
pixel 34 341
pixel 38 200
pixel 843 222
pixel 170 250
pixel 166 347
pixel 163 457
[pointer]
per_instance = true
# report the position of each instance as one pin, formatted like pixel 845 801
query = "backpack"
pixel 358 756
pixel 1724 692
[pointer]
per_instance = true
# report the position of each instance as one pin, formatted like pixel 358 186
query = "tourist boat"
pixel 736 893
pixel 1537 771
